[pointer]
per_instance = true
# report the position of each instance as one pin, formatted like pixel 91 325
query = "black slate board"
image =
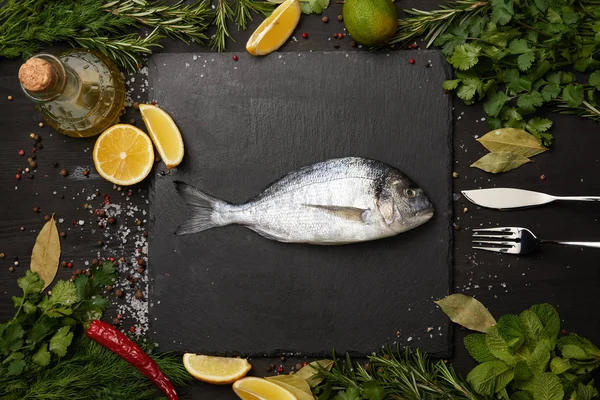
pixel 229 291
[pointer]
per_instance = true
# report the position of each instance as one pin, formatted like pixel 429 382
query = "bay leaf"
pixel 310 372
pixel 46 253
pixel 500 162
pixel 467 311
pixel 294 384
pixel 512 140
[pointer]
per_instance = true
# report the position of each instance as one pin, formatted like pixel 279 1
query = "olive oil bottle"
pixel 80 93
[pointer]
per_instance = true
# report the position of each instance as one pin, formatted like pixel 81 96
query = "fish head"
pixel 403 205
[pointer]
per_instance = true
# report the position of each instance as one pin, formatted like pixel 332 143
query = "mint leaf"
pixel 534 330
pixel 12 338
pixel 578 348
pixel 494 103
pixel 502 11
pixel 586 392
pixel 42 356
pixel 547 386
pixel 498 346
pixel 30 283
pixel 573 95
pixel 349 394
pixel 475 345
pixel 525 60
pixel 372 391
pixel 451 84
pixel 595 79
pixel 63 293
pixel 522 371
pixel 521 396
pixel 550 91
pixel 546 313
pixel 509 327
pixel 539 358
pixel 483 377
pixel 60 341
pixel 559 365
pixel 465 56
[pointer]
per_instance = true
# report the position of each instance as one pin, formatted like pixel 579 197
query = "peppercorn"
pixel 367 366
pixel 141 262
pixel 64 172
pixel 340 17
pixel 27 169
pixel 298 367
pixel 457 227
pixel 2 255
pixel 22 228
pixel 325 20
pixel 132 121
pixel 36 210
pixel 455 174
pixel 63 235
pixel 116 321
pixel 119 293
pixel 111 259
pixel 280 369
pixel 21 152
pixel 134 279
pixel 18 176
pixel 86 172
pixel 282 358
pixel 139 295
pixel 136 106
pixel 16 263
pixel 32 164
pixel 9 98
pixel 64 264
pixel 235 58
pixel 109 288
pixel 304 35
pixel 41 124
pixel 122 260
pixel 120 316
pixel 78 271
pixel 138 222
pixel 70 264
pixel 272 366
pixel 543 177
pixel 335 35
pixel 54 164
pixel 387 356
pixel 100 242
pixel 36 137
pixel 269 369
pixel 102 213
pixel 111 220
pixel 411 61
pixel 34 150
pixel 94 261
pixel 465 210
pixel 141 270
pixel 340 35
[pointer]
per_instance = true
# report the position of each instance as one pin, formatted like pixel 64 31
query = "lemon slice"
pixel 218 370
pixel 164 134
pixel 272 33
pixel 123 155
pixel 261 389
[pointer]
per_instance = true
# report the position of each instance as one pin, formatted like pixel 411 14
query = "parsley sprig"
pixel 517 56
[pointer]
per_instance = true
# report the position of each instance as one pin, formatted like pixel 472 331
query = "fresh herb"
pixel 46 253
pixel 516 56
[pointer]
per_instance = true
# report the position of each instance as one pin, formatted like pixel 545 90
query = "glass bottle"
pixel 80 93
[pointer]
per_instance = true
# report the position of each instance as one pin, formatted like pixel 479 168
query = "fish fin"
pixel 349 213
pixel 202 216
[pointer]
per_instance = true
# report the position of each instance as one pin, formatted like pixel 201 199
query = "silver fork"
pixel 514 240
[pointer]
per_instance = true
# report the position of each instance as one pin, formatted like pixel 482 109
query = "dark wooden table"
pixel 565 277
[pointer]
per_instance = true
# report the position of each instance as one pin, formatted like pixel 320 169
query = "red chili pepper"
pixel 109 337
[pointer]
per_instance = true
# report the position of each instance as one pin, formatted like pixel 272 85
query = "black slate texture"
pixel 229 291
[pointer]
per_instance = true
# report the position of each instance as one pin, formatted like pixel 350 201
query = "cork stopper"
pixel 36 75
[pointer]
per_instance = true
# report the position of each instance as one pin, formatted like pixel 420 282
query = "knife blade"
pixel 510 198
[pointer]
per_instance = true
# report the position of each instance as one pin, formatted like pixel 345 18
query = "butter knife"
pixel 507 198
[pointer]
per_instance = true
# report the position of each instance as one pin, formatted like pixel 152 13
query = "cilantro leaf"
pixel 465 56
pixel 104 275
pixel 528 102
pixel 313 6
pixel 59 311
pixel 12 338
pixel 451 84
pixel 449 40
pixel 494 103
pixel 41 330
pixel 538 125
pixel 595 79
pixel 573 95
pixel 502 11
pixel 515 82
pixel 554 17
pixel 569 16
pixel 63 293
pixel 17 365
pixel 525 60
pixel 475 345
pixel 30 283
pixel 519 46
pixel 83 287
pixel 60 341
pixel 372 391
pixel 542 4
pixel 550 91
pixel 468 89
pixel 349 394
pixel 554 77
pixel 42 356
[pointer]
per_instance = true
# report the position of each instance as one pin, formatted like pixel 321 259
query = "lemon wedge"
pixel 217 370
pixel 261 389
pixel 164 134
pixel 123 155
pixel 272 33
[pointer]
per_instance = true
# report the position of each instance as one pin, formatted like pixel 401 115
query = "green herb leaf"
pixel 17 364
pixel 31 283
pixel 60 341
pixel 46 253
pixel 519 46
pixel 540 357
pixel 12 338
pixel 586 392
pixel 547 386
pixel 573 95
pixel 498 346
pixel 522 371
pixel 467 311
pixel 83 287
pixel 40 330
pixel 465 56
pixel 559 365
pixel 595 79
pixel 475 345
pixel 494 103
pixel 469 87
pixel 578 348
pixel 525 60
pixel 372 391
pixel 500 162
pixel 483 378
pixel 510 329
pixel 42 356
pixel 349 394
pixel 534 330
pixel 63 293
pixel 451 84
pixel 550 320
pixel 502 11
pixel 310 373
pixel 511 140
pixel 529 101
pixel 538 125
pixel 550 92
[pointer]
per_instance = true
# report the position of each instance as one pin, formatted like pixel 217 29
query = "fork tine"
pixel 500 229
pixel 506 236
pixel 499 243
pixel 494 249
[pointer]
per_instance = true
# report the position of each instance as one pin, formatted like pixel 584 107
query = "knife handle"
pixel 577 198
pixel 577 244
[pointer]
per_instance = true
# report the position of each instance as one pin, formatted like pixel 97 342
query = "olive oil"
pixel 80 93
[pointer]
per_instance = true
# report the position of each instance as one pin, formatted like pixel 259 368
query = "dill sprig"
pixel 406 376
pixel 90 371
pixel 431 24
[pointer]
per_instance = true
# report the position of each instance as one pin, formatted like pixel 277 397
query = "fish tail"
pixel 204 210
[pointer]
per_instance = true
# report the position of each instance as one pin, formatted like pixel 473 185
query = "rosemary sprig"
pixel 585 110
pixel 432 24
pixel 406 376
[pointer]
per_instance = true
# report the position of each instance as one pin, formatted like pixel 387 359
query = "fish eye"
pixel 410 193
